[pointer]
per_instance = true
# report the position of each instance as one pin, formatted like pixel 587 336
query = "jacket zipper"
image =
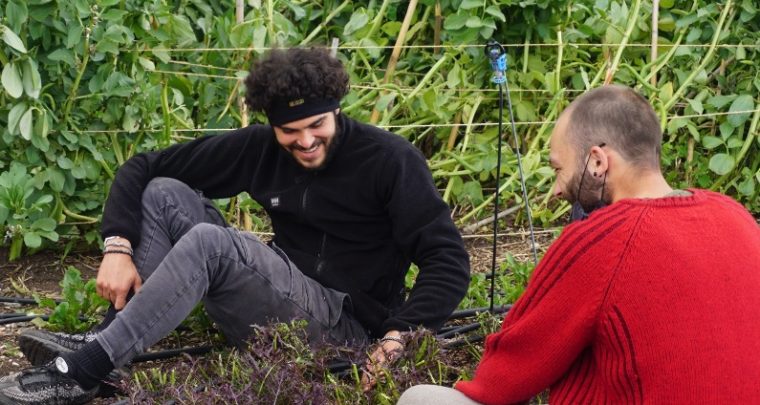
pixel 320 263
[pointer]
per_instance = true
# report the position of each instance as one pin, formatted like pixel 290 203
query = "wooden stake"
pixel 239 18
pixel 396 53
pixel 334 47
pixel 437 28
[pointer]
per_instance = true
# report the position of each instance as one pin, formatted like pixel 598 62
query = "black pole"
pixel 522 175
pixel 496 197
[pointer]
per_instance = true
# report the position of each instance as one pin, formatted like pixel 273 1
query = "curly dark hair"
pixel 295 73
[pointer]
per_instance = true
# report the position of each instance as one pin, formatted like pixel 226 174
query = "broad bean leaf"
pixel 740 110
pixel 25 124
pixel 31 80
pixel 11 79
pixel 32 240
pixel 722 163
pixel 12 39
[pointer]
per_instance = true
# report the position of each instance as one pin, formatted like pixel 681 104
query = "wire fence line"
pixel 449 46
pixel 401 126
pixel 375 87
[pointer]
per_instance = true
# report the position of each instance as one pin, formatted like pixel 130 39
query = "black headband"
pixel 283 111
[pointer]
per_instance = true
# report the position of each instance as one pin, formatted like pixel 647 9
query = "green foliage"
pixel 25 210
pixel 511 280
pixel 86 85
pixel 78 310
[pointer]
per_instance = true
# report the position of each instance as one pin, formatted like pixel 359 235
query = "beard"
pixel 592 194
pixel 330 147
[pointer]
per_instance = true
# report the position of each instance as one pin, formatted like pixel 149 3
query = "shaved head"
pixel 620 118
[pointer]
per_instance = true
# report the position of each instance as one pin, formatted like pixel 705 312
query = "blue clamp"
pixel 499 67
pixel 497 56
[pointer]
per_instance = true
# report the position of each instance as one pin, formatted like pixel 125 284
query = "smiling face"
pixel 309 139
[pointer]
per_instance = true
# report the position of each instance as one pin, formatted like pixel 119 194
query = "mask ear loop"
pixel 580 184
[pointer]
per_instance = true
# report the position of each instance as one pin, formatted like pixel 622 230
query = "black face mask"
pixel 578 213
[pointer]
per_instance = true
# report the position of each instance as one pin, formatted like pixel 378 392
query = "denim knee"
pixel 159 187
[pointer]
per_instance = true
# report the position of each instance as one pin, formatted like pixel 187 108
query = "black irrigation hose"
pixel 22 318
pixel 7 319
pixel 14 315
pixel 21 300
pixel 166 354
pixel 466 313
pixel 459 331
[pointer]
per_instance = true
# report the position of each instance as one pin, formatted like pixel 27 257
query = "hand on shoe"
pixel 386 353
pixel 117 275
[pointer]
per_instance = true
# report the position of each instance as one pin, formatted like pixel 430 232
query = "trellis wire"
pixel 401 126
pixel 446 46
pixel 368 86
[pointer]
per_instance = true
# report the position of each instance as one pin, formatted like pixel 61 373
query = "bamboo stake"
pixel 454 131
pixel 396 52
pixel 655 33
pixel 437 28
pixel 240 17
pixel 243 108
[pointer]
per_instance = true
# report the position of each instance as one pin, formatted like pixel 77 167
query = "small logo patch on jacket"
pixel 275 202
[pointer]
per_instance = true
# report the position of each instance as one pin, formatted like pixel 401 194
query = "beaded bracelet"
pixel 123 252
pixel 392 339
pixel 118 245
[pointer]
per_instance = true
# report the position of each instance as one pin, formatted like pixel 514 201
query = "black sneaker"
pixel 41 347
pixel 44 385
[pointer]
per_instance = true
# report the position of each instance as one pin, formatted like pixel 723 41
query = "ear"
pixel 599 161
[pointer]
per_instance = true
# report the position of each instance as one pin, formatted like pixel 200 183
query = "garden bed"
pixel 41 274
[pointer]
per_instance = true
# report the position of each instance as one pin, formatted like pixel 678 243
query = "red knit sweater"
pixel 646 301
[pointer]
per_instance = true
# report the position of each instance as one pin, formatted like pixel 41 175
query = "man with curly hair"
pixel 351 206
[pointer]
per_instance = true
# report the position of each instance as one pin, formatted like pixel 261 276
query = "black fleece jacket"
pixel 355 225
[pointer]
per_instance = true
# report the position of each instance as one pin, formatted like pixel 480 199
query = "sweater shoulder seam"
pixel 616 268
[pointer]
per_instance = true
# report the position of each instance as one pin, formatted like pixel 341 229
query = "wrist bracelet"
pixel 118 244
pixel 123 252
pixel 109 238
pixel 392 339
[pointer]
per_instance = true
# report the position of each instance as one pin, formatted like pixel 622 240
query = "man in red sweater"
pixel 654 298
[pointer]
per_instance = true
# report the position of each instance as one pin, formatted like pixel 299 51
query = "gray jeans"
pixel 187 255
